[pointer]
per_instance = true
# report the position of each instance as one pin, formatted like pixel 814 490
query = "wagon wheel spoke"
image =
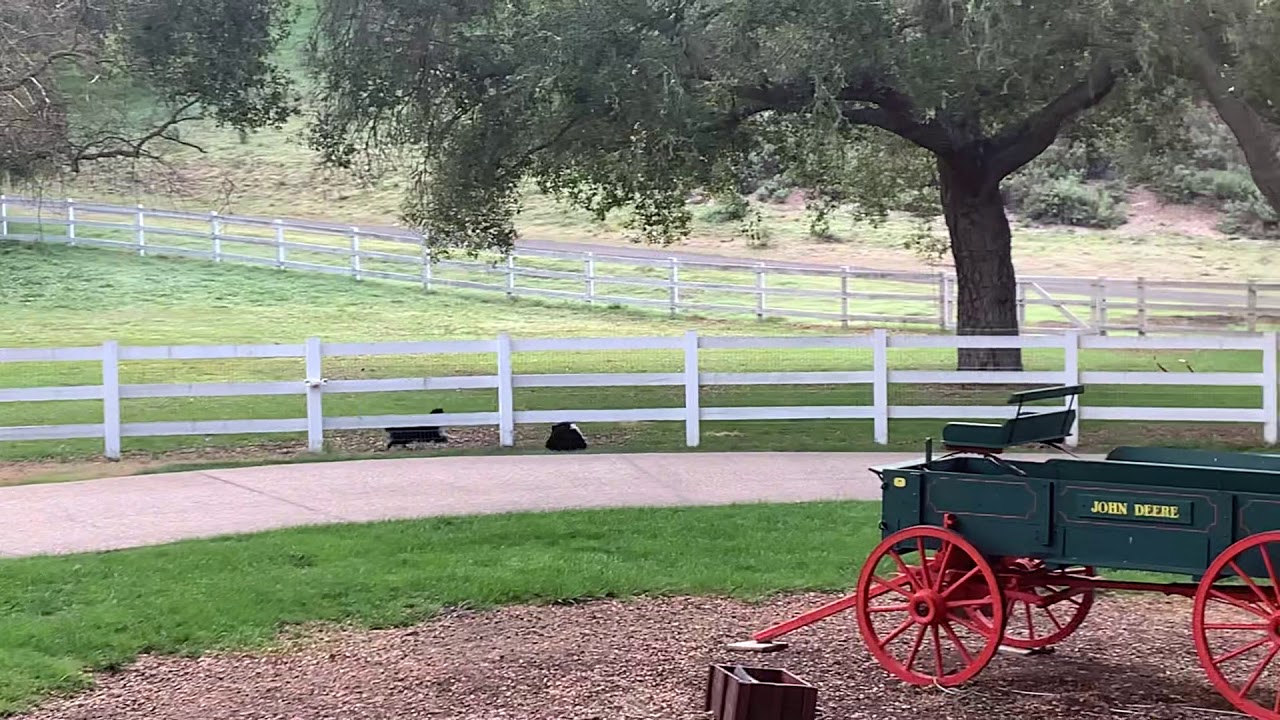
pixel 1236 626
pixel 937 652
pixel 1257 671
pixel 1271 575
pixel 1053 618
pixel 1252 585
pixel 904 569
pixel 897 631
pixel 894 585
pixel 945 555
pixel 1240 650
pixel 924 564
pixel 1219 595
pixel 964 651
pixel 976 602
pixel 889 608
pixel 915 647
pixel 961 582
pixel 974 624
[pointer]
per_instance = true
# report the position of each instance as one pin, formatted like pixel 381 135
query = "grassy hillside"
pixel 55 295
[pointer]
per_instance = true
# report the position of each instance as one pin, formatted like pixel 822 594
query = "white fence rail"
pixel 763 290
pixel 693 376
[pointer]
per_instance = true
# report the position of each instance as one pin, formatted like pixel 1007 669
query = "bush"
pixel 1253 218
pixel 775 190
pixel 727 209
pixel 1068 201
pixel 1185 185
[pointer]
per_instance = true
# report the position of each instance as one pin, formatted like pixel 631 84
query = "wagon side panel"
pixel 1142 527
pixel 1254 514
pixel 1002 515
pixel 901 492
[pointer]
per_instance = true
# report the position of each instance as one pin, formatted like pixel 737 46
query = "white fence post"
pixel 942 301
pixel 1251 305
pixel 511 275
pixel 692 387
pixel 760 290
pixel 506 394
pixel 589 273
pixel 4 215
pixel 111 399
pixel 315 395
pixel 140 227
pixel 215 232
pixel 1142 307
pixel 673 280
pixel 355 254
pixel 1071 376
pixel 426 267
pixel 1270 401
pixel 1022 304
pixel 880 384
pixel 71 221
pixel 844 297
pixel 280 249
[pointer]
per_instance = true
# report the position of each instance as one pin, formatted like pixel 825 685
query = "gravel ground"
pixel 623 660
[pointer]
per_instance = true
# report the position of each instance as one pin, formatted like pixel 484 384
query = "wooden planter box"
pixel 735 692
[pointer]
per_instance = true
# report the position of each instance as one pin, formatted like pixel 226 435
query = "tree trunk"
pixel 1258 139
pixel 986 286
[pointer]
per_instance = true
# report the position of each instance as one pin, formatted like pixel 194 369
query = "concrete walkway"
pixel 115 513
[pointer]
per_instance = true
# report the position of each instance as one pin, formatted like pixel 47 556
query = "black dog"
pixel 409 435
pixel 566 436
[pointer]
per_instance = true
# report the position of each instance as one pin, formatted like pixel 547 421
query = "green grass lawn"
pixel 65 616
pixel 58 296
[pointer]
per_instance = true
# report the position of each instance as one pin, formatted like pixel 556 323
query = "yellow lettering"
pixel 1100 507
pixel 1157 511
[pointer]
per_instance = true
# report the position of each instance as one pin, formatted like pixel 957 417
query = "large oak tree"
pixel 635 103
pixel 82 81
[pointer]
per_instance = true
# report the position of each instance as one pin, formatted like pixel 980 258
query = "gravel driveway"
pixel 648 659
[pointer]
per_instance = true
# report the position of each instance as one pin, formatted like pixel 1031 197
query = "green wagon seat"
pixel 1022 429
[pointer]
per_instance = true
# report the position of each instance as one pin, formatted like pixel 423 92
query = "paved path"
pixel 115 513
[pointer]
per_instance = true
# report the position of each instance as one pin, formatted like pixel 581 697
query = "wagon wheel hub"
pixel 927 607
pixel 1273 628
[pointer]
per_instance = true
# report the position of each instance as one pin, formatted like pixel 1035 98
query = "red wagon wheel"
pixel 941 609
pixel 1236 625
pixel 1041 613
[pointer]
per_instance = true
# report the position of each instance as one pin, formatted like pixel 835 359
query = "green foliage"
pixel 1075 182
pixel 1186 185
pixel 218 53
pixel 620 104
pixel 730 208
pixel 1254 218
pixel 81 82
pixel 1069 201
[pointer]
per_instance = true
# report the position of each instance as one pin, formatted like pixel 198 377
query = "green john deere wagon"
pixel 981 551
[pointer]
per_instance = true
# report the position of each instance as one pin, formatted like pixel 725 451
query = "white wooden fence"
pixel 763 290
pixel 314 386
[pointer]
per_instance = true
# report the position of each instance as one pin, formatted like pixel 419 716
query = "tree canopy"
pixel 635 103
pixel 63 62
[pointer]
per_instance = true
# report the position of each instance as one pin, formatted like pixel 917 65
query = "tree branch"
pixel 137 147
pixel 44 65
pixel 930 136
pixel 1018 145
pixel 893 110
